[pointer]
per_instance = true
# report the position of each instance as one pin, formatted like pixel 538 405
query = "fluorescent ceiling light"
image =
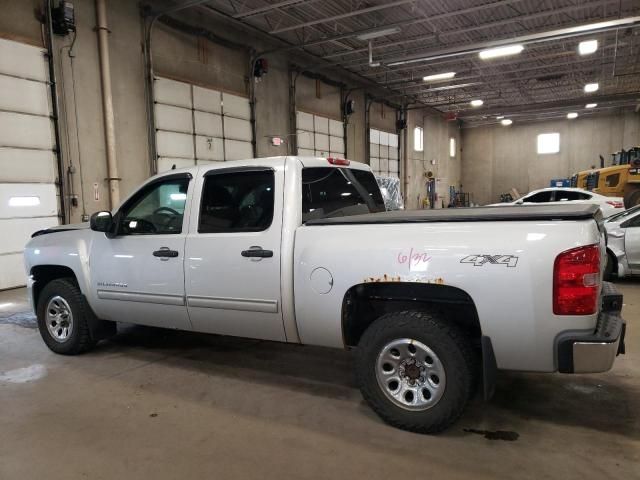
pixel 591 105
pixel 439 76
pixel 587 47
pixel 476 103
pixel 591 87
pixel 506 122
pixel 500 117
pixel 378 33
pixel 572 115
pixel 501 51
pixel 24 201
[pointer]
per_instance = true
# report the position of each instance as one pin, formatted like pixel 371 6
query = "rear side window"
pixel 331 192
pixel 565 195
pixel 237 202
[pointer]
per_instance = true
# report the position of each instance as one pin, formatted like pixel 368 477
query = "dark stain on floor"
pixel 22 319
pixel 495 435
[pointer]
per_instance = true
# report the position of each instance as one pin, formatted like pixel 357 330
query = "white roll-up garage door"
pixel 384 153
pixel 199 125
pixel 319 136
pixel 28 192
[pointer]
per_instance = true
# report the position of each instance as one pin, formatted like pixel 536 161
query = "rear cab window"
pixel 337 192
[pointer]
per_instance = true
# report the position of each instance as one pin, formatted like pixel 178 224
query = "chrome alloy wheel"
pixel 59 319
pixel 410 374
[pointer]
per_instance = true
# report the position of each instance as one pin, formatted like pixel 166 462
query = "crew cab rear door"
pixel 232 261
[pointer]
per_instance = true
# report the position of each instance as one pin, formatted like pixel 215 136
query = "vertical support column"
pixel 293 121
pixel 56 120
pixel 107 103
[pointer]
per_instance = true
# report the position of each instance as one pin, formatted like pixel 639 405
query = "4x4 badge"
pixel 480 260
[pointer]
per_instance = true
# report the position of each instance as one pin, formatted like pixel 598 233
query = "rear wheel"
pixel 62 318
pixel 416 370
pixel 631 195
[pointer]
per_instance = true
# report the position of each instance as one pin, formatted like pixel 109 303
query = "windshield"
pixel 618 217
pixel 337 192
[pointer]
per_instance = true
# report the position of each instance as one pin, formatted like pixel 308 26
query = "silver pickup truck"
pixel 300 250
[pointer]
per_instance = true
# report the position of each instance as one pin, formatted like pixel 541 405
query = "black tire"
pixel 79 338
pixel 454 350
pixel 631 196
pixel 610 267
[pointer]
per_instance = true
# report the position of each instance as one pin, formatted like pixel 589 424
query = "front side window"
pixel 612 180
pixel 157 208
pixel 240 201
pixel 332 192
pixel 539 197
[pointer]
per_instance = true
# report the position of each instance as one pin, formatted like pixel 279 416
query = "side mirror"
pixel 519 202
pixel 101 221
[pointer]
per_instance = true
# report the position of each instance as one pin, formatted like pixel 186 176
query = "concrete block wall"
pixel 496 159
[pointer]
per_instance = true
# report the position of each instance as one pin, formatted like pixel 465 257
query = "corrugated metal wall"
pixel 28 192
pixel 198 125
pixel 319 136
pixel 384 153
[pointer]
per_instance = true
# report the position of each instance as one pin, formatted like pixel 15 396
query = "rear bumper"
pixel 596 353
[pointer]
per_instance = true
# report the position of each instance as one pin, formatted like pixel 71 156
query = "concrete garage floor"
pixel 165 405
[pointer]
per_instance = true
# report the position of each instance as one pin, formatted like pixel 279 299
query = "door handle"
pixel 165 253
pixel 257 252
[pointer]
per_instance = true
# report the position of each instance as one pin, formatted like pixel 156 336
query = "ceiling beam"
pixel 459 31
pixel 556 69
pixel 269 7
pixel 352 13
pixel 571 102
pixel 413 21
pixel 546 36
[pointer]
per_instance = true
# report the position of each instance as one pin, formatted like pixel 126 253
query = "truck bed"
pixel 472 214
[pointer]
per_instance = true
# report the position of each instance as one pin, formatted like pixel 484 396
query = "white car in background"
pixel 557 195
pixel 623 243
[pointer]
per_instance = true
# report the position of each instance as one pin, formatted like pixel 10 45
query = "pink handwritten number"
pixel 413 257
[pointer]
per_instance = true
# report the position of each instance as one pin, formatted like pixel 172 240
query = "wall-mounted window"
pixel 418 139
pixel 452 147
pixel 548 143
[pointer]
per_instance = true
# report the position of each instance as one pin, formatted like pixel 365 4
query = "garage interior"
pixel 96 96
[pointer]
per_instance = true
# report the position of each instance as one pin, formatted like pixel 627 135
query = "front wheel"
pixel 62 318
pixel 416 370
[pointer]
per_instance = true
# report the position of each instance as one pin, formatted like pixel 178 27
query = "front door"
pixel 632 243
pixel 232 259
pixel 138 276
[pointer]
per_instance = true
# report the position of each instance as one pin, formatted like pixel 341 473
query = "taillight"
pixel 576 281
pixel 615 204
pixel 338 161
